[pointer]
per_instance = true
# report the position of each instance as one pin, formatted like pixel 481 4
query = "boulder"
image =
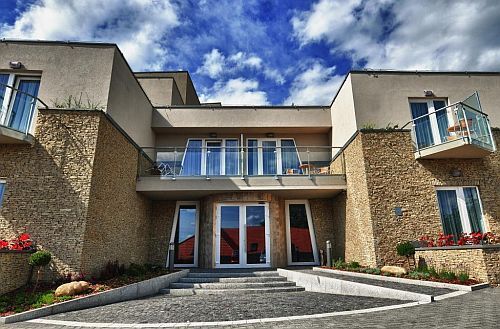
pixel 395 270
pixel 72 288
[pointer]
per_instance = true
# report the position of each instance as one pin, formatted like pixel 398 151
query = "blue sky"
pixel 271 52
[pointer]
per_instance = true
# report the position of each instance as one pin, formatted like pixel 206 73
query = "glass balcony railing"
pixel 463 121
pixel 17 105
pixel 240 161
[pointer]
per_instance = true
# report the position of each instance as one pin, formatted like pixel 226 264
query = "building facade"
pixel 102 164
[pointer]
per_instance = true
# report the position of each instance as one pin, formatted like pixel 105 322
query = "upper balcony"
pixel 202 169
pixel 459 130
pixel 17 108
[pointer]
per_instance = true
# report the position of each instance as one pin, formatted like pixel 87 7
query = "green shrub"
pixel 340 264
pixel 463 277
pixel 353 265
pixel 40 258
pixel 135 270
pixel 372 270
pixel 447 275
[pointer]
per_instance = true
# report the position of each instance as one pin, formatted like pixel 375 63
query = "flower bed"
pixel 426 274
pixel 24 299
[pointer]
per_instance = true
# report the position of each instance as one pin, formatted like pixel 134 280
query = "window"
pixel 185 234
pixel 301 244
pixel 2 191
pixel 211 157
pixel 460 209
pixel 431 125
pixel 272 156
pixel 18 104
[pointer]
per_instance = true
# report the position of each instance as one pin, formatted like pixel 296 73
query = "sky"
pixel 248 52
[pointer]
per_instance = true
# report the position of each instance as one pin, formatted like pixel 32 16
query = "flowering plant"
pixel 462 240
pixel 21 242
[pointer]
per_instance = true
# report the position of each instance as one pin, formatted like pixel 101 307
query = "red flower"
pixel 3 244
pixel 24 237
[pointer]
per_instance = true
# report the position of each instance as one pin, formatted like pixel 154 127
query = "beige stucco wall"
pixel 343 117
pixel 128 105
pixel 381 98
pixel 206 119
pixel 161 91
pixel 66 69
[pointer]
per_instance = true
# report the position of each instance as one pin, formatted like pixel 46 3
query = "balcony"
pixel 17 109
pixel 195 171
pixel 459 130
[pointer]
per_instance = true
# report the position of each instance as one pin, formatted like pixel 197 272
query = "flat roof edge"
pixel 59 42
pixel 388 71
pixel 228 107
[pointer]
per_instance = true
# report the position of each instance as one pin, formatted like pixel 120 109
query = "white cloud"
pixel 275 75
pixel 427 34
pixel 214 64
pixel 314 86
pixel 236 92
pixel 137 26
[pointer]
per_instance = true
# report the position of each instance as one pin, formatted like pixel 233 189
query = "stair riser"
pixel 190 292
pixel 230 285
pixel 232 275
pixel 233 280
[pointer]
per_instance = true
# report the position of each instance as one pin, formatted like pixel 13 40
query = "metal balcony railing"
pixel 242 161
pixel 459 121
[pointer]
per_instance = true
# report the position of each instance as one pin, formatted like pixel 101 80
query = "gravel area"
pixel 165 308
pixel 393 285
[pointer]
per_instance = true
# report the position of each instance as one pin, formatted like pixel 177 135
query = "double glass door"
pixel 242 235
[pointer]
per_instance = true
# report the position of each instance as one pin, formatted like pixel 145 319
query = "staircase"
pixel 231 282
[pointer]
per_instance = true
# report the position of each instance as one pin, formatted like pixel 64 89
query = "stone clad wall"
pixel 353 229
pixel 48 184
pixel 118 217
pixel 162 219
pixel 322 211
pixel 395 179
pixel 14 270
pixel 480 262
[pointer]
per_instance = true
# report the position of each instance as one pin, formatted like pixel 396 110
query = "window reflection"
pixel 185 235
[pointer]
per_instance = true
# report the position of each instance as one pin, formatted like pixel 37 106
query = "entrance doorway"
pixel 242 235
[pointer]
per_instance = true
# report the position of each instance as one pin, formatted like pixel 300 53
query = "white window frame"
pixel 312 233
pixel 260 154
pixel 204 150
pixel 242 235
pixel 462 206
pixel 197 230
pixel 10 95
pixel 3 183
pixel 436 136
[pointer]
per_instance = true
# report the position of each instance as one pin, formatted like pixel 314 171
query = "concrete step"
pixel 225 285
pixel 190 292
pixel 234 280
pixel 232 274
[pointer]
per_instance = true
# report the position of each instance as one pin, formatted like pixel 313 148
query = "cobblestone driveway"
pixel 478 309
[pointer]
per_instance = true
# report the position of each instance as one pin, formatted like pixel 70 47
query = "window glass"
pixel 253 158
pixel 289 158
pixel 185 235
pixel 423 130
pixel 24 104
pixel 191 166
pixel 460 210
pixel 213 161
pixel 300 237
pixel 230 235
pixel 269 159
pixel 4 79
pixel 232 162
pixel 2 191
pixel 442 120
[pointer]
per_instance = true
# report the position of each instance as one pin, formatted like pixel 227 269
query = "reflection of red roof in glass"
pixel 230 238
pixel 185 249
pixel 301 239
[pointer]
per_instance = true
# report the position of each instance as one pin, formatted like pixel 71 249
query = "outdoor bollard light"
pixel 328 253
pixel 322 257
pixel 171 248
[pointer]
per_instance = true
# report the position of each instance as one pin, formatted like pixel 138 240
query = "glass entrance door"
pixel 242 235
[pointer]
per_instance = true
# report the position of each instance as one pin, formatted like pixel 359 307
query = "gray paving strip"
pixel 166 309
pixel 387 284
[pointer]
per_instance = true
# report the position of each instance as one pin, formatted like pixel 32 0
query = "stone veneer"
pixel 14 270
pixel 480 262
pixel 382 174
pixel 74 192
